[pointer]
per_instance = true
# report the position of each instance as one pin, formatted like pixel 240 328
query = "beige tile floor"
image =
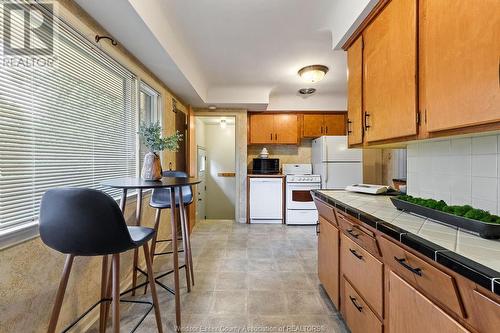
pixel 260 277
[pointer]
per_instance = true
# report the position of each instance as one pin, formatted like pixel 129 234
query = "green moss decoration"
pixel 466 211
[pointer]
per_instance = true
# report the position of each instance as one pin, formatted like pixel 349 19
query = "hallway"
pixel 261 277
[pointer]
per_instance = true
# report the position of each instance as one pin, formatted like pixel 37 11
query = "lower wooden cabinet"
pixel 328 259
pixel 412 312
pixel 364 271
pixel 357 314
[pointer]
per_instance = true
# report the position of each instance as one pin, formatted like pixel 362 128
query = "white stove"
pixel 300 208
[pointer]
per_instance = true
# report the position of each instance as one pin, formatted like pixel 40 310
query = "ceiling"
pixel 236 53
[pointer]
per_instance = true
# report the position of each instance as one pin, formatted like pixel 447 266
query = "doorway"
pixel 216 160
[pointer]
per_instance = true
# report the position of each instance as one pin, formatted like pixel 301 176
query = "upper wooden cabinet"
pixel 355 92
pixel 316 125
pixel 459 63
pixel 389 73
pixel 261 128
pixel 273 129
pixel 286 129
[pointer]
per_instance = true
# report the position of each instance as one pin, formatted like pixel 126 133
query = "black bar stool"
pixel 85 222
pixel 160 199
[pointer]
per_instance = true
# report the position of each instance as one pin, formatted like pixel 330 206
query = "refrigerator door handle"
pixel 326 160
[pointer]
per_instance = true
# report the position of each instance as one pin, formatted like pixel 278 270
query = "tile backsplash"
pixel 459 171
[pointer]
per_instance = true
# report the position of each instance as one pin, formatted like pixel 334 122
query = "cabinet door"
pixel 313 125
pixel 286 129
pixel 328 259
pixel 459 54
pixel 355 89
pixel 334 124
pixel 261 128
pixel 389 75
pixel 412 312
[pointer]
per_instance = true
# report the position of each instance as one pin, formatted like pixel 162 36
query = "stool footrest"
pixel 109 300
pixel 170 290
pixel 167 240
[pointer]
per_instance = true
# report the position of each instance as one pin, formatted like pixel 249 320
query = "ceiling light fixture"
pixel 307 91
pixel 313 73
pixel 212 107
pixel 223 123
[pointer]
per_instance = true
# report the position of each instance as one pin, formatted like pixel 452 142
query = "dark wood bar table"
pixel 175 185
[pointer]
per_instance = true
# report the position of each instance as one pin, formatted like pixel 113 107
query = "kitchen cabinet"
pixel 357 314
pixel 355 92
pixel 273 129
pixel 286 130
pixel 316 125
pixel 412 312
pixel 328 259
pixel 389 72
pixel 261 128
pixel 459 63
pixel 364 272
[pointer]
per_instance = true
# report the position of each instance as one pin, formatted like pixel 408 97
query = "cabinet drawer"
pixel 484 312
pixel 358 316
pixel 357 233
pixel 364 271
pixel 434 282
pixel 326 211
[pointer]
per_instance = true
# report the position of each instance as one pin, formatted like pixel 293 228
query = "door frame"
pixel 240 116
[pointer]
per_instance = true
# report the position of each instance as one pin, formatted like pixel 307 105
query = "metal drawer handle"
pixel 402 262
pixel 317 228
pixel 352 233
pixel 354 253
pixel 349 131
pixel 353 300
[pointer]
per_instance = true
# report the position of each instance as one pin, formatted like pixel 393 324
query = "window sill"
pixel 18 234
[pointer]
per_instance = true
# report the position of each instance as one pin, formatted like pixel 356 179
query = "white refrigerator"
pixel 337 165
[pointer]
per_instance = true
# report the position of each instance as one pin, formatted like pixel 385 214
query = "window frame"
pixel 19 233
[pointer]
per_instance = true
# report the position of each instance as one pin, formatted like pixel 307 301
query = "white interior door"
pixel 201 188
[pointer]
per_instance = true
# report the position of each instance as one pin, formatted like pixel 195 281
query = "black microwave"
pixel 266 166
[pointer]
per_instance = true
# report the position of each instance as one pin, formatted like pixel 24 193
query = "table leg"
pixel 184 240
pixel 188 242
pixel 123 200
pixel 138 212
pixel 176 260
pixel 108 282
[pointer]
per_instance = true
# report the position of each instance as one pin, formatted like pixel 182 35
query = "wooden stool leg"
pixel 56 310
pixel 155 237
pixel 104 280
pixel 153 241
pixel 184 241
pixel 116 293
pixel 151 279
pixel 176 261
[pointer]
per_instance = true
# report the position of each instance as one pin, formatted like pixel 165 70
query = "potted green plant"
pixel 150 136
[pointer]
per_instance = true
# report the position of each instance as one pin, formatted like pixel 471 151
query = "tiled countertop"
pixel 466 253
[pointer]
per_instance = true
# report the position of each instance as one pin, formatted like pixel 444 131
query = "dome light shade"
pixel 313 73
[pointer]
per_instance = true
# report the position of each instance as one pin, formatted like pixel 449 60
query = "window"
pixel 149 112
pixel 72 123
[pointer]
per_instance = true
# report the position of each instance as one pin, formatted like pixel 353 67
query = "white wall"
pixel 459 171
pixel 200 132
pixel 346 17
pixel 220 148
pixel 319 102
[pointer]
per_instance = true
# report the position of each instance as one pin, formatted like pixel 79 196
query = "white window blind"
pixel 72 124
pixel 149 112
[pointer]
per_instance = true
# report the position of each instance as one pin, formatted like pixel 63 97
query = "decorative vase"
pixel 151 169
